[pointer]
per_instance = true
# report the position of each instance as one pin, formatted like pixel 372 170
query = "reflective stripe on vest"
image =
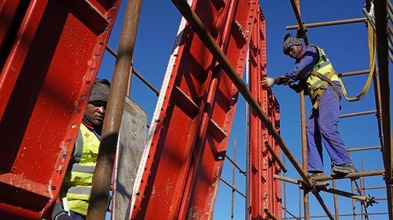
pixel 78 180
pixel 323 67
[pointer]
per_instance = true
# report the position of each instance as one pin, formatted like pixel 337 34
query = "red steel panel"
pixel 44 85
pixel 264 191
pixel 191 126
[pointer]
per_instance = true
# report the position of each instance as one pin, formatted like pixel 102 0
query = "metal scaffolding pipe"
pixel 383 63
pixel 136 73
pixel 286 179
pixel 211 45
pixel 363 148
pixel 295 7
pixel 237 166
pixel 98 203
pixel 271 215
pixel 354 73
pixel 358 114
pixel 230 186
pixel 350 176
pixel 328 23
pixel 346 194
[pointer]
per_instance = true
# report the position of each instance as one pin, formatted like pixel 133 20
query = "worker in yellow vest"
pixel 317 77
pixel 77 183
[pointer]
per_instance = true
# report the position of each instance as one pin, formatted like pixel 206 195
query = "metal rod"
pixel 233 179
pixel 346 194
pixel 234 188
pixel 354 73
pixel 275 156
pixel 363 148
pixel 98 202
pixel 237 166
pixel 358 114
pixel 328 23
pixel 137 74
pixel 286 179
pixel 286 211
pixel 350 176
pixel 271 215
pixel 296 10
pixel 384 73
pixel 209 42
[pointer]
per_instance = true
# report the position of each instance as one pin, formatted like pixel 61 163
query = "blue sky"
pixel 345 45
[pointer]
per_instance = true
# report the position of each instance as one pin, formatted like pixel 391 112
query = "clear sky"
pixel 345 45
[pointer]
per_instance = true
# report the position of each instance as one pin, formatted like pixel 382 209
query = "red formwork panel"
pixel 183 160
pixel 50 55
pixel 264 192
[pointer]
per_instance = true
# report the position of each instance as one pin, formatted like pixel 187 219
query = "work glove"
pixel 268 82
pixel 295 87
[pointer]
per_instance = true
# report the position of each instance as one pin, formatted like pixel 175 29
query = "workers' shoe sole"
pixel 319 183
pixel 344 168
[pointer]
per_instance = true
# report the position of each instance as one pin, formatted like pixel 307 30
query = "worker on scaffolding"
pixel 75 192
pixel 316 76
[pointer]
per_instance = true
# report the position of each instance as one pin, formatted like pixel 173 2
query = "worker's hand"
pixel 295 87
pixel 267 82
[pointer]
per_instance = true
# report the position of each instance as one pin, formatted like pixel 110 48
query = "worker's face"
pixel 95 112
pixel 295 51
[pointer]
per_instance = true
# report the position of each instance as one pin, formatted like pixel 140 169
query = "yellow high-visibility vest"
pixel 78 180
pixel 324 67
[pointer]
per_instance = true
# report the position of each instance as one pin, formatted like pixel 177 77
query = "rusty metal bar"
pixel 271 215
pixel 286 179
pixel 233 179
pixel 293 216
pixel 237 166
pixel 296 9
pixel 137 74
pixel 371 20
pixel 354 73
pixel 335 201
pixel 370 112
pixel 275 156
pixel 383 63
pixel 374 187
pixel 328 23
pixel 306 201
pixel 322 203
pixel 347 194
pixel 363 148
pixel 377 93
pixel 233 188
pixel 211 45
pixel 350 176
pixel 98 203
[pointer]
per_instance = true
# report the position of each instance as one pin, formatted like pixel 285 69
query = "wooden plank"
pixel 132 139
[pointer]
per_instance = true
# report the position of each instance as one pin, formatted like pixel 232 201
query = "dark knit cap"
pixel 290 41
pixel 100 91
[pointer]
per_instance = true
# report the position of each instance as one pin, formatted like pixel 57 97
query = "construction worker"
pixel 78 179
pixel 317 77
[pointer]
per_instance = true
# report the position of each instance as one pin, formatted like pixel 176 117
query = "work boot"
pixel 320 183
pixel 344 168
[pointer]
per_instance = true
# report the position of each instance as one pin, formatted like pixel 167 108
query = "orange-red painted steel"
pixel 50 55
pixel 264 192
pixel 189 136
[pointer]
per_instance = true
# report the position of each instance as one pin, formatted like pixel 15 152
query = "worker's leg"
pixel 329 112
pixel 314 144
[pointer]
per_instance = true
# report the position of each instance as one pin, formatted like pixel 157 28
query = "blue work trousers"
pixel 322 126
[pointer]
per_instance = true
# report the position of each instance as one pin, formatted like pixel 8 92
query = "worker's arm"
pixel 303 67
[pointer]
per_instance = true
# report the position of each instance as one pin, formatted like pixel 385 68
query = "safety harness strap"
pixel 326 80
